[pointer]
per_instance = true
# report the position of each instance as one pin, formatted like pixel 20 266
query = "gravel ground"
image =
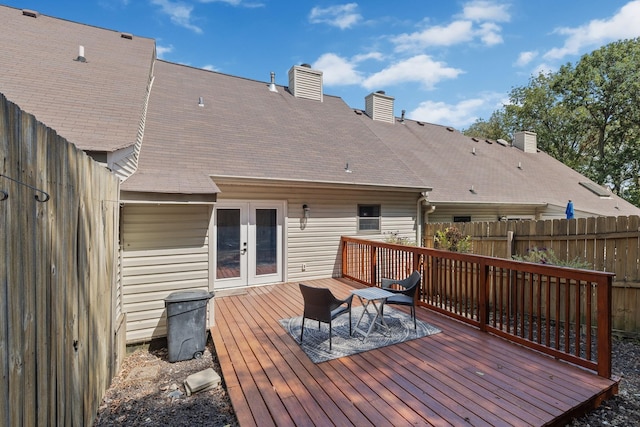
pixel 623 409
pixel 149 391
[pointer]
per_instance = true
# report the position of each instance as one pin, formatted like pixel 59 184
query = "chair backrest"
pixel 411 281
pixel 317 302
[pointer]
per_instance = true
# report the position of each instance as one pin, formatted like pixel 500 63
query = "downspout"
pixel 419 220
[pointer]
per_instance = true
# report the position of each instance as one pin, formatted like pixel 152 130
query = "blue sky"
pixel 444 61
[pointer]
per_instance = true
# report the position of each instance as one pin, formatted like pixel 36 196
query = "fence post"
pixel 604 327
pixel 483 297
pixel 509 244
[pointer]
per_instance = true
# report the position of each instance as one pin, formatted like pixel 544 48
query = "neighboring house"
pixel 230 182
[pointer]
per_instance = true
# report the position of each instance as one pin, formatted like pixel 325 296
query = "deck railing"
pixel 562 312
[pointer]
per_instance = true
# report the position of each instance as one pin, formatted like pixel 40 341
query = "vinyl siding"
pixel 164 249
pixel 332 215
pixel 481 213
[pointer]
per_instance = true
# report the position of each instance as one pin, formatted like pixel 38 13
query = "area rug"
pixel 316 341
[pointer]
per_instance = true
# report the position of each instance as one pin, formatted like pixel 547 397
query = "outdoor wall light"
pixel 306 210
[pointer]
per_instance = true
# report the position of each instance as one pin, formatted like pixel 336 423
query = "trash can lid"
pixel 192 295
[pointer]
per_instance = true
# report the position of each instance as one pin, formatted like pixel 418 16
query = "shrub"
pixel 395 239
pixel 451 239
pixel 547 256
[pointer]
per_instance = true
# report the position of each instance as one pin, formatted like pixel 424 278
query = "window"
pixel 461 219
pixel 368 218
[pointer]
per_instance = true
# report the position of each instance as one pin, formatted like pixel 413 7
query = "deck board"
pixel 459 377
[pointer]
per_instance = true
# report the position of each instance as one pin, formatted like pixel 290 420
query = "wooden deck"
pixel 460 377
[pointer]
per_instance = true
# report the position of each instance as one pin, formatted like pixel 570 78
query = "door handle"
pixel 244 249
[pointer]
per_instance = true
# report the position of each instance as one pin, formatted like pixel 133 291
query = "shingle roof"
pixel 97 105
pixel 446 157
pixel 245 130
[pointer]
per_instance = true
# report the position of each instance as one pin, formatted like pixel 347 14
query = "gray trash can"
pixel 187 324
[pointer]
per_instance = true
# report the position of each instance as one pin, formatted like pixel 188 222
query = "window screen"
pixel 368 217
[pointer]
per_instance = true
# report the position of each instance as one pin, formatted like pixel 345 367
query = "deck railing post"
pixel 374 264
pixel 604 326
pixel 483 295
pixel 345 268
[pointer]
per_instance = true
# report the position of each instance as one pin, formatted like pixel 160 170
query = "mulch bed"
pixel 149 390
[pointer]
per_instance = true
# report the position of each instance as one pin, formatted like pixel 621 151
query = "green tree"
pixel 604 87
pixel 586 115
pixel 540 108
pixel 494 128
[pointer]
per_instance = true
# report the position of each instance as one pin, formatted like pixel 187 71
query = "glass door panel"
pixel 228 248
pixel 266 241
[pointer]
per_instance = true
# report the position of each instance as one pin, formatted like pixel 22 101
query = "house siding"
pixel 165 248
pixel 332 215
pixel 480 213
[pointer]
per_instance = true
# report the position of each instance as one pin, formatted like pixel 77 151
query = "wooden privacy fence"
pixel 610 244
pixel 562 312
pixel 57 275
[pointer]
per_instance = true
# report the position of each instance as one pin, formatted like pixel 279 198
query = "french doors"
pixel 248 243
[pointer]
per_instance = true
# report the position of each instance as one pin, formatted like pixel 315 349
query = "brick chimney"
pixel 526 141
pixel 305 82
pixel 379 106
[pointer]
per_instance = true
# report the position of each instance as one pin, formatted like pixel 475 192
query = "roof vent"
pixel 127 36
pixel 420 123
pixel 475 139
pixel 526 141
pixel 30 13
pixel 402 116
pixel 305 65
pixel 450 129
pixel 272 85
pixel 379 107
pixel 358 112
pixel 502 142
pixel 488 141
pixel 81 57
pixel 596 189
pixel 304 82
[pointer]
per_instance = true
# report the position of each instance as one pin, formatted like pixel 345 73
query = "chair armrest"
pixel 338 302
pixel 348 300
pixel 386 283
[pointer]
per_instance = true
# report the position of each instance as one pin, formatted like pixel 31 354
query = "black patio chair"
pixel 321 305
pixel 405 292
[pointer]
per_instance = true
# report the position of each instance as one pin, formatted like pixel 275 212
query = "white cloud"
pixel 490 34
pixel 210 67
pixel 366 56
pixel 162 50
pixel 342 16
pixel 477 20
pixel 420 68
pixel 179 13
pixel 526 57
pixel 543 69
pixel 482 10
pixel 624 24
pixel 235 3
pixel 459 115
pixel 454 33
pixel 337 71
